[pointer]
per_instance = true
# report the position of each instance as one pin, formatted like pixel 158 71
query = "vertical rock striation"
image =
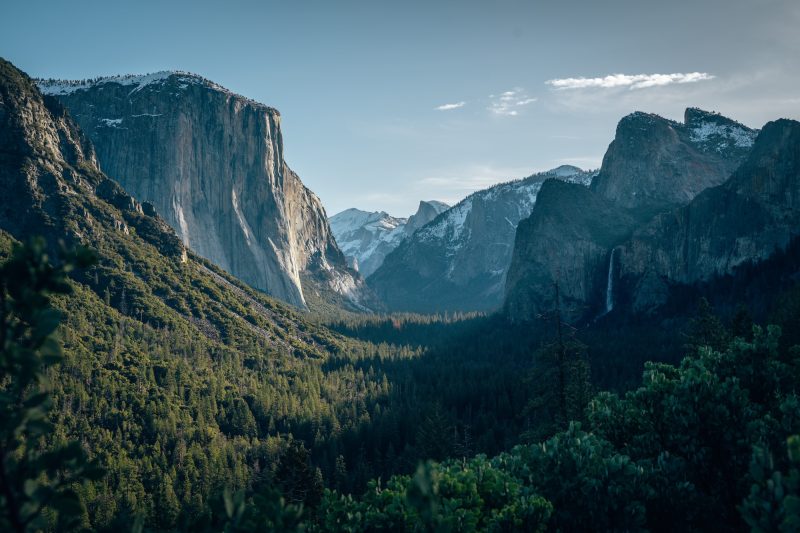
pixel 211 162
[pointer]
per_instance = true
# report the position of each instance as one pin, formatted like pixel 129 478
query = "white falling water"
pixel 610 283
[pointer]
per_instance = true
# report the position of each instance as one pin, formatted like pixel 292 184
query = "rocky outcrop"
pixel 211 162
pixel 458 262
pixel 567 239
pixel 653 166
pixel 366 238
pixel 654 163
pixel 746 219
pixel 51 182
pixel 426 212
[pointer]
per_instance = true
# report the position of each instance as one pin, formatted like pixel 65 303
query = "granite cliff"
pixel 653 166
pixel 654 163
pixel 745 220
pixel 567 237
pixel 211 162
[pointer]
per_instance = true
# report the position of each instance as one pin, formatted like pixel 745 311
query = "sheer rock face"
pixel 211 162
pixel 654 163
pixel 458 261
pixel 652 167
pixel 366 238
pixel 568 238
pixel 748 218
pixel 426 212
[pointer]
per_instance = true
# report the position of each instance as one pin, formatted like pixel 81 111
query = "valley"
pixel 191 343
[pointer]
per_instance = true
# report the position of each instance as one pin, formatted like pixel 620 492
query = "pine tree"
pixel 706 330
pixel 32 480
pixel 561 382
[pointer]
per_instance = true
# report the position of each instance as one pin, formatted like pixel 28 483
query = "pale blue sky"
pixel 358 83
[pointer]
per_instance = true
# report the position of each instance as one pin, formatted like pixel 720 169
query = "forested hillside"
pixel 710 444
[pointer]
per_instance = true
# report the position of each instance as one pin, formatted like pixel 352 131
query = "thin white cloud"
pixel 631 81
pixel 448 107
pixel 509 103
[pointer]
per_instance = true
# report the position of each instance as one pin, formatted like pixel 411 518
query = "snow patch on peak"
pixel 181 80
pixel 725 134
pixel 63 87
pixel 366 238
pixel 449 224
pixel 504 204
pixel 354 219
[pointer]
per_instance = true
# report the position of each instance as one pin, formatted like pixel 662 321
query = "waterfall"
pixel 610 283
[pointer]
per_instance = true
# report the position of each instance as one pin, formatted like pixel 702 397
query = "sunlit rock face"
pixel 211 162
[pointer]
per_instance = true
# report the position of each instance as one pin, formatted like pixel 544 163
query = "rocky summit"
pixel 458 261
pixel 211 162
pixel 745 220
pixel 655 163
pixel 367 237
pixel 674 204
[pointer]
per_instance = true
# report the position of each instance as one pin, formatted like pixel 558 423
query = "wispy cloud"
pixel 631 81
pixel 448 107
pixel 510 102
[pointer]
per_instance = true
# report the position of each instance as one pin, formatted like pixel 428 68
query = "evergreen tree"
pixel 298 481
pixel 706 330
pixel 561 382
pixel 33 480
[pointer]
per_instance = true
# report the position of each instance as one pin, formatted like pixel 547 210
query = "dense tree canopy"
pixel 494 427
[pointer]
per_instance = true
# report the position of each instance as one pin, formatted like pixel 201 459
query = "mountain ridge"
pixel 367 237
pixel 458 261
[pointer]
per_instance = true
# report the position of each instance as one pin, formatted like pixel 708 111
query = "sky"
pixel 385 103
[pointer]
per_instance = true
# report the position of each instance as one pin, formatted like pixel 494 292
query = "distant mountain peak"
pixel 367 237
pixel 564 171
pixel 458 261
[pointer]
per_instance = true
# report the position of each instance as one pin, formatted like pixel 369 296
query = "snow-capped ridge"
pixel 181 80
pixel 459 260
pixel 366 237
pixel 449 224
